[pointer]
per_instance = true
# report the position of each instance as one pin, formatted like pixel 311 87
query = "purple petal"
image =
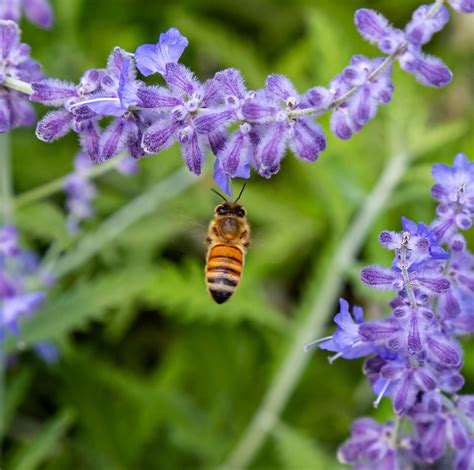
pixel 378 330
pixel 151 58
pixel 90 140
pixel 53 92
pixel 444 351
pixel 212 120
pixel 341 124
pixel 319 97
pixel 422 26
pixel 371 25
pixel 9 37
pixel 428 70
pixel 180 77
pixel 39 12
pixel 193 153
pixel 221 179
pixel 463 6
pixel 159 136
pixel 54 125
pixel 271 150
pixel 281 86
pixel 114 139
pixel 235 158
pixel 437 285
pixel 307 139
pixel 157 97
pixel 378 277
pixel 231 83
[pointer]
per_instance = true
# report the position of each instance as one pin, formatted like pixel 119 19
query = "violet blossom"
pixel 17 267
pixel 16 63
pixel 413 355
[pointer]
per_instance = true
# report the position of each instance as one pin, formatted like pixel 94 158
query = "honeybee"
pixel 228 238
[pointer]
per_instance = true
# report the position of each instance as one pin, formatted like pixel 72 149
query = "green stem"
pixel 144 204
pixel 292 366
pixel 18 85
pixel 57 185
pixel 6 178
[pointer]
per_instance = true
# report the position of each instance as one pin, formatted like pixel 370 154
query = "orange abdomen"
pixel 223 270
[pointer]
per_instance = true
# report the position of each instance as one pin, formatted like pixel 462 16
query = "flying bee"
pixel 228 238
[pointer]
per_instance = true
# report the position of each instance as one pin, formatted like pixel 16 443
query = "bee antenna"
pixel 240 194
pixel 219 194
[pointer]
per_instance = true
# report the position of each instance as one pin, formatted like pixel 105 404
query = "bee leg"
pixel 246 244
pixel 208 240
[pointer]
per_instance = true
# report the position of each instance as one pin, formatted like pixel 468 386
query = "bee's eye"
pixel 221 210
pixel 240 212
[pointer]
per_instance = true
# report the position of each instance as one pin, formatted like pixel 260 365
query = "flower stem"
pixel 403 268
pixel 293 364
pixel 18 85
pixel 396 431
pixel 57 185
pixel 6 190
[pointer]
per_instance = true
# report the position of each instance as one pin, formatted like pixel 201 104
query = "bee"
pixel 228 238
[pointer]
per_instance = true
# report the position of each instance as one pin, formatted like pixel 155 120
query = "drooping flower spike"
pixel 413 355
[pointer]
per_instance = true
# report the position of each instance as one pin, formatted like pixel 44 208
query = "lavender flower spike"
pixel 413 355
pixel 152 58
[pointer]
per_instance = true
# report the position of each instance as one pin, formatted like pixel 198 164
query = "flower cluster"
pixel 242 128
pixel 15 62
pixel 414 357
pixel 37 11
pixel 81 191
pixel 17 269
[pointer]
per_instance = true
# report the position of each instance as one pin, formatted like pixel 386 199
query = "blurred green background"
pixel 152 373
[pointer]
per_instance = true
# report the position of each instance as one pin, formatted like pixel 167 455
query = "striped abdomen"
pixel 223 270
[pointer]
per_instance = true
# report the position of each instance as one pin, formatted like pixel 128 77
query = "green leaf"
pixel 32 454
pixel 79 304
pixel 43 220
pixel 14 394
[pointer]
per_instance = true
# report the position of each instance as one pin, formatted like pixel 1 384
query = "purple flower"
pixel 16 269
pixel 346 341
pixel 15 62
pixel 47 351
pixel 376 29
pixel 8 241
pixel 275 109
pixel 80 193
pixel 370 92
pixel 437 428
pixel 153 58
pixel 419 242
pixel 370 446
pixel 181 102
pixel 101 92
pixel 38 12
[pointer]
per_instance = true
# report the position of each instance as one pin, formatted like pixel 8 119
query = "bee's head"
pixel 230 208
